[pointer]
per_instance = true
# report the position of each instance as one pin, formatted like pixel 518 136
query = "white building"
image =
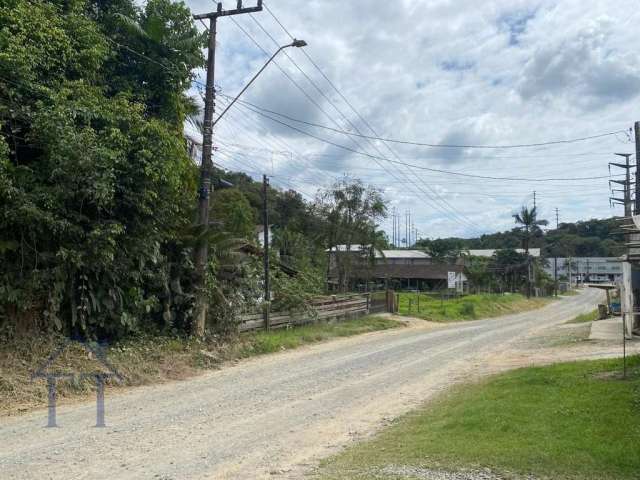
pixel 587 269
pixel 489 252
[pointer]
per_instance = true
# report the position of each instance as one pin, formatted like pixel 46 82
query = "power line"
pixel 310 80
pixel 432 145
pixel 416 143
pixel 319 107
pixel 420 167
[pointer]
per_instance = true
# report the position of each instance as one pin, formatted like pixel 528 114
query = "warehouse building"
pixel 586 269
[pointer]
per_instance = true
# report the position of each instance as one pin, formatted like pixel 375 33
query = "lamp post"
pixel 295 43
pixel 201 250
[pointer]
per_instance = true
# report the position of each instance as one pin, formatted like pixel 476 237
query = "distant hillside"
pixel 590 238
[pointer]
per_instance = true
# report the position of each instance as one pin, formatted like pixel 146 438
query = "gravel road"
pixel 268 417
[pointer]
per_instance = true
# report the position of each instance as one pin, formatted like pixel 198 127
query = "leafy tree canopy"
pixel 95 183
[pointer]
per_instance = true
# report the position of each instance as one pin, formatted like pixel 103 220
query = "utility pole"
pixel 534 199
pixel 406 217
pixel 265 226
pixel 201 251
pixel 394 228
pixel 636 128
pixel 587 273
pixel 393 222
pixel 555 259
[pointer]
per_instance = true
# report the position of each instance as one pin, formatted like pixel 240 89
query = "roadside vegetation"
pixel 469 307
pixel 568 421
pixel 585 317
pixel 267 342
pixel 151 359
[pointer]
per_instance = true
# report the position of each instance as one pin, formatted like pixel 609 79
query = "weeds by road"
pixel 468 307
pixel 268 342
pixel 586 317
pixel 148 360
pixel 568 421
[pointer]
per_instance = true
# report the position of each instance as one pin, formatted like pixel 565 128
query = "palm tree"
pixel 528 222
pixel 528 225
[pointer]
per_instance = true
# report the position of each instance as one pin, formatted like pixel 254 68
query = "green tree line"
pixel 589 238
pixel 98 188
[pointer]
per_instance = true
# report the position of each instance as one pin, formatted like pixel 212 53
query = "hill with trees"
pixel 588 238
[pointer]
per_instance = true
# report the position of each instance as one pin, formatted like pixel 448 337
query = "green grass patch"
pixel 569 293
pixel 150 359
pixel 585 317
pixel 468 307
pixel 567 421
pixel 282 339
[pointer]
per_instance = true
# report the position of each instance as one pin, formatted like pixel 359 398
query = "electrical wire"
pixel 429 196
pixel 420 167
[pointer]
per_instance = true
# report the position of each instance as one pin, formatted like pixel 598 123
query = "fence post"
pixel 266 315
pixel 368 296
pixel 390 301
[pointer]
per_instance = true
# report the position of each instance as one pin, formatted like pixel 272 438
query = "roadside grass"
pixel 567 421
pixel 569 293
pixel 468 307
pixel 585 317
pixel 149 359
pixel 267 342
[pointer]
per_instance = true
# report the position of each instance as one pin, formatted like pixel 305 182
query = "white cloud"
pixel 496 72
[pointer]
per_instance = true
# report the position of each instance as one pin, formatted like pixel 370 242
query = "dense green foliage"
pixel 95 183
pixel 97 187
pixel 589 238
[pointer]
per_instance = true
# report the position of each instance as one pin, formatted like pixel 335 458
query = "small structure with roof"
pixel 357 267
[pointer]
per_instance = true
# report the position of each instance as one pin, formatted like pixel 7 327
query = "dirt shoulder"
pixel 154 360
pixel 267 415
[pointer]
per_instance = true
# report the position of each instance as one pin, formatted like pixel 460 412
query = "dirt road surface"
pixel 272 416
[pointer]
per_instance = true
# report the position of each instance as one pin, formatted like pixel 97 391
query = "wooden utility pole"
pixel 265 226
pixel 200 256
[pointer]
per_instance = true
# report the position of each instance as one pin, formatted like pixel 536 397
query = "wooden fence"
pixel 322 309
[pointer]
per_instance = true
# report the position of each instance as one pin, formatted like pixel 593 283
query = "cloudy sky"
pixel 490 73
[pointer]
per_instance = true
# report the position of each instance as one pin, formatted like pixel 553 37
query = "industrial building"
pixel 361 267
pixel 586 269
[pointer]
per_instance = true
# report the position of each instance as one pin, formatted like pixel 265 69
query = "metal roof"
pixel 398 253
pixel 402 254
pixel 488 252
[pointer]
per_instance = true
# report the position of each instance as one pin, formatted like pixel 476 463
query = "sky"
pixel 457 72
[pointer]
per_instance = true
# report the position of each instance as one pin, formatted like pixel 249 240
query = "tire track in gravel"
pixel 270 415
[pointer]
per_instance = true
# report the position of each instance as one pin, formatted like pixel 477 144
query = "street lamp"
pixel 295 43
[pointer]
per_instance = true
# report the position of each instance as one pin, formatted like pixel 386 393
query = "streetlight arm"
pixel 295 43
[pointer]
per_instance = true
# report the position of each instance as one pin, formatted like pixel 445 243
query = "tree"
pixel 509 267
pixel 477 271
pixel 442 248
pixel 529 225
pixel 96 188
pixel 232 209
pixel 350 210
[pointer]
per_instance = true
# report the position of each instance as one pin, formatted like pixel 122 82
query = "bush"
pixel 468 309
